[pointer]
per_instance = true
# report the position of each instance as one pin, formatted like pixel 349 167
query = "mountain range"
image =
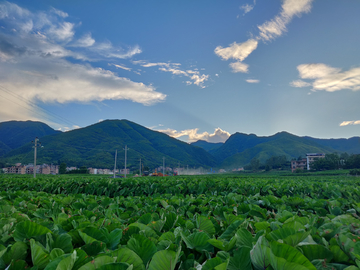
pixel 95 145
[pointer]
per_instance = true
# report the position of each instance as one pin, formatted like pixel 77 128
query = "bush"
pixel 354 172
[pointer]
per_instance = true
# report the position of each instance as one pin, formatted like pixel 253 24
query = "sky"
pixel 191 69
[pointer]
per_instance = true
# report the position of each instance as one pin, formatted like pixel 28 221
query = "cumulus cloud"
pixel 35 66
pixel 328 78
pixel 239 67
pixel 267 31
pixel 238 51
pixel 252 81
pixel 194 75
pixel 346 123
pixel 219 135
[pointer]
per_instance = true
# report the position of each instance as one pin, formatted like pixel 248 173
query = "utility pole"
pixel 125 158
pixel 115 163
pixel 36 144
pixel 140 166
pixel 163 166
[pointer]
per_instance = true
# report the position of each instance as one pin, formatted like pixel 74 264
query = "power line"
pixel 35 106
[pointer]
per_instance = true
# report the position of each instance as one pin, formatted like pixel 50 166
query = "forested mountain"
pixel 95 146
pixel 241 148
pixel 208 146
pixel 14 134
pixel 351 145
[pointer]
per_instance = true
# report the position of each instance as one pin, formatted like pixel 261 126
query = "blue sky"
pixel 192 69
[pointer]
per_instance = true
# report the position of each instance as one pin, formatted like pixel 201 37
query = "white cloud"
pixel 299 84
pixel 59 12
pixel 267 31
pixel 66 129
pixel 295 7
pixel 252 81
pixel 62 32
pixel 346 123
pixel 35 67
pixel 144 63
pixel 328 78
pixel 277 26
pixel 85 41
pixel 238 51
pixel 239 67
pixel 122 67
pixel 219 135
pixel 247 8
pixel 174 68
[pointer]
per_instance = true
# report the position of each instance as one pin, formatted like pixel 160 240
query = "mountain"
pixel 208 146
pixel 95 146
pixel 14 134
pixel 350 146
pixel 240 148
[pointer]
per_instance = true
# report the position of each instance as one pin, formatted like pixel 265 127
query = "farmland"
pixel 184 222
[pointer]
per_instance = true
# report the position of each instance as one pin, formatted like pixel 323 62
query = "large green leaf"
pixel 39 256
pixel 56 252
pixel 205 224
pixel 97 263
pixel 313 252
pixel 323 265
pixel 279 263
pixel 18 265
pixel 164 260
pixel 94 248
pixel 18 251
pixel 82 259
pixel 128 256
pixel 241 259
pixel 64 242
pixel 280 234
pixel 142 247
pixel 197 241
pixel 231 230
pixel 244 238
pixel 171 219
pixel 26 230
pixel 339 255
pixel 212 263
pixel 64 262
pixel 290 254
pixel 223 244
pixel 258 254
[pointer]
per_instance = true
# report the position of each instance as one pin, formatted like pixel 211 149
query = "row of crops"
pixel 204 223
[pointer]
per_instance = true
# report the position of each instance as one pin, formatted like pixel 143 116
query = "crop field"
pixel 183 222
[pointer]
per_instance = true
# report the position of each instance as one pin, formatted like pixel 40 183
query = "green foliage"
pixel 95 145
pixel 241 222
pixel 62 168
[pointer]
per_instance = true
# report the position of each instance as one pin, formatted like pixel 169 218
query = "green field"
pixel 245 221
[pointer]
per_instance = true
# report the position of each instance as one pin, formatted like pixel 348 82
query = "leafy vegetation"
pixel 201 222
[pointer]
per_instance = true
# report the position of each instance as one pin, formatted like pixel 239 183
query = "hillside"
pixel 14 134
pixel 95 146
pixel 251 146
pixel 207 146
pixel 350 146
